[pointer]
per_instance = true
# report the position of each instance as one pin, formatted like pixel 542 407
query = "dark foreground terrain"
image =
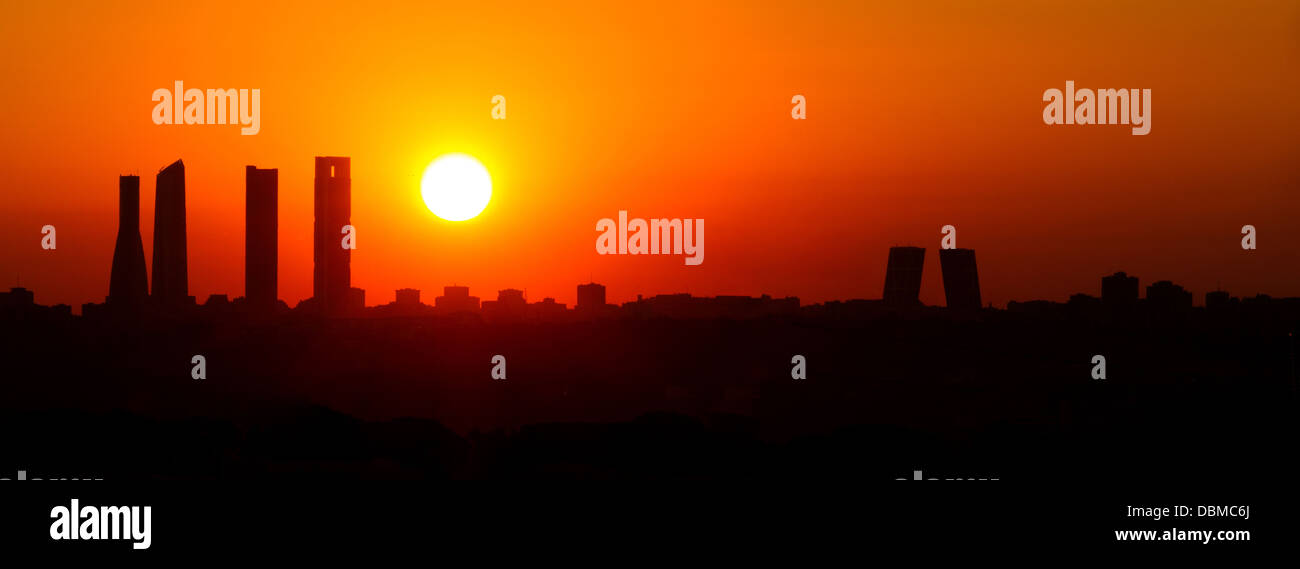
pixel 1008 395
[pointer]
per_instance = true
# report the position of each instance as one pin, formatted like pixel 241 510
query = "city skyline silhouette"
pixel 904 269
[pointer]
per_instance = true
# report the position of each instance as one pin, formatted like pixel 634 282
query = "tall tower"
pixel 903 276
pixel 961 282
pixel 128 284
pixel 261 227
pixel 171 283
pixel 332 275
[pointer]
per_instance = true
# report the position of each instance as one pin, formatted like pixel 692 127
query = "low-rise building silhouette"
pixel 408 297
pixel 455 299
pixel 548 310
pixel 685 306
pixel 591 297
pixel 1119 291
pixel 17 297
pixel 354 300
pixel 18 304
pixel 1218 300
pixel 406 303
pixel 1165 296
pixel 592 302
pixel 509 305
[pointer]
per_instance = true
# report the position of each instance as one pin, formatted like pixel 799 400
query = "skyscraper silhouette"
pixel 128 284
pixel 903 276
pixel 961 281
pixel 261 191
pixel 332 275
pixel 170 273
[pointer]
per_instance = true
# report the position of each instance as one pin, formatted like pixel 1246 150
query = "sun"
pixel 456 187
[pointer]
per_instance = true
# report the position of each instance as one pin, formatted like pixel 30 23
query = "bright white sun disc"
pixel 456 187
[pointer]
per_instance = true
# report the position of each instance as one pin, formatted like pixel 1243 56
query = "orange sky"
pixel 919 115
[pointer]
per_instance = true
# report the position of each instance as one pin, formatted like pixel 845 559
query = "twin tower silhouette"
pixel 332 277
